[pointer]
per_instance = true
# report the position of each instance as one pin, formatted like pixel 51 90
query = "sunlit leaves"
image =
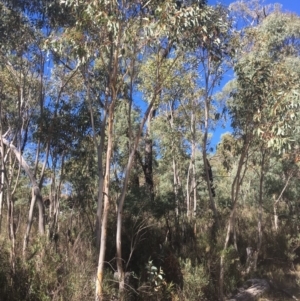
pixel 267 96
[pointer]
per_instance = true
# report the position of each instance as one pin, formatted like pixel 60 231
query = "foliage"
pixel 100 98
pixel 266 94
pixel 195 281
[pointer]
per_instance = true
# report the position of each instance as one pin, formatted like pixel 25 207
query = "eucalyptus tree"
pixel 210 51
pixel 22 60
pixel 281 187
pixel 178 115
pixel 163 61
pixel 107 42
pixel 265 94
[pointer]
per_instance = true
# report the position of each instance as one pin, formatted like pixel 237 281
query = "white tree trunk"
pixel 122 199
pixel 103 234
pixel 276 201
pixel 235 190
pixel 36 195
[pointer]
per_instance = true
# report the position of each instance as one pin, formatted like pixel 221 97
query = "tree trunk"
pixel 204 146
pixel 3 159
pixel 99 150
pixel 2 181
pixel 235 190
pixel 36 195
pixel 121 200
pixel 275 208
pixel 100 270
pixel 1 194
pixel 176 185
pixel 147 165
pixel 260 209
pixel 276 201
pixel 11 228
pixel 55 194
pixel 193 158
pixel 194 183
pixel 176 179
pixel 188 194
pixel 111 92
pixel 209 185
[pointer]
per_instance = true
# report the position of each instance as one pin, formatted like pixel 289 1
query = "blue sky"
pixel 287 6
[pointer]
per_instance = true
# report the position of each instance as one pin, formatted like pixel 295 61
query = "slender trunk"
pixel 36 194
pixel 176 180
pixel 1 194
pixel 191 176
pixel 148 169
pixel 234 236
pixel 122 199
pixel 53 205
pixel 55 195
pixel 276 201
pixel 11 228
pixel 204 146
pixel 111 92
pixel 193 157
pixel 194 185
pixel 100 270
pixel 6 178
pixel 275 207
pixel 208 182
pixel 2 178
pixel 36 197
pixel 260 200
pixel 235 190
pixel 52 195
pixel 188 195
pixel 176 185
pixel 99 150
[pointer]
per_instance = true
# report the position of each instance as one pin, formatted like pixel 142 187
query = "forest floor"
pixel 279 282
pixel 285 283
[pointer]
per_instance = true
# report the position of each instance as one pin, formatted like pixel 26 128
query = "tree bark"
pixel 148 165
pixel 276 201
pixel 100 270
pixel 176 184
pixel 1 194
pixel 194 184
pixel 100 149
pixel 188 194
pixel 3 160
pixel 110 93
pixel 260 209
pixel 176 179
pixel 235 190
